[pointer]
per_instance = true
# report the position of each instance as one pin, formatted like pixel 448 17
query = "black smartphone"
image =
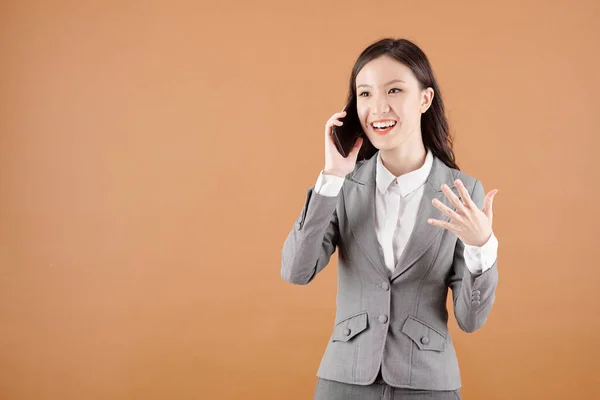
pixel 345 136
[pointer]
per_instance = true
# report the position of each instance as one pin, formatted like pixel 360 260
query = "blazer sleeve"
pixel 312 240
pixel 473 293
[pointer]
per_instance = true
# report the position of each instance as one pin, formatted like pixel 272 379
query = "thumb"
pixel 356 147
pixel 488 203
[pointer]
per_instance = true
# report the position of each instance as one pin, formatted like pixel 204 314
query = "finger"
pixel 329 127
pixel 452 197
pixel 356 147
pixel 445 209
pixel 488 202
pixel 334 121
pixel 441 224
pixel 334 117
pixel 464 194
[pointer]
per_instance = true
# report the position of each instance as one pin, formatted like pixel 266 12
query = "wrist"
pixel 332 172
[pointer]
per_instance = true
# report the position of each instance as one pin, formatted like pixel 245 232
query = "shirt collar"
pixel 408 182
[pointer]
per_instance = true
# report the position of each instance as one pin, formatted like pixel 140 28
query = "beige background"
pixel 154 156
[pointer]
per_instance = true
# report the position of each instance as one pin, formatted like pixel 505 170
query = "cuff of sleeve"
pixel 481 258
pixel 329 185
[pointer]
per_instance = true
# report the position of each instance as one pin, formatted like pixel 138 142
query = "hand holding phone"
pixel 341 150
pixel 345 135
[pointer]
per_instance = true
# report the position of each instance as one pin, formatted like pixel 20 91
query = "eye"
pixel 366 93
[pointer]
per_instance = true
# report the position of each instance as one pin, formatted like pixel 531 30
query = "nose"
pixel 381 107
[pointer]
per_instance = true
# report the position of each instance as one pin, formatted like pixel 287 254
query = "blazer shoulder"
pixel 357 167
pixel 468 180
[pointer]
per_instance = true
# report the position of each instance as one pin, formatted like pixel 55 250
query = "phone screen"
pixel 345 136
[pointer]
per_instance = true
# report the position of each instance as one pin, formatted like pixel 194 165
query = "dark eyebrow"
pixel 392 81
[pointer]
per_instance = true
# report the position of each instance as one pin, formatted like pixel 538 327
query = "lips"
pixel 382 127
pixel 383 123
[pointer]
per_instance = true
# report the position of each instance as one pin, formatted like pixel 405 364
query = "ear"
pixel 426 99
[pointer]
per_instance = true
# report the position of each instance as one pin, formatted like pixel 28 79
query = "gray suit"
pixel 396 320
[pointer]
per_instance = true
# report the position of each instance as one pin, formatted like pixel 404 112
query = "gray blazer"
pixel 394 320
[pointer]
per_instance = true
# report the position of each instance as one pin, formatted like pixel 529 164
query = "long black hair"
pixel 434 125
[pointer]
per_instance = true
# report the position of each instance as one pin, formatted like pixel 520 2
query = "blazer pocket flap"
pixel 349 327
pixel 426 337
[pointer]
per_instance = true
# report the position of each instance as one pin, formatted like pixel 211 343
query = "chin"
pixel 383 142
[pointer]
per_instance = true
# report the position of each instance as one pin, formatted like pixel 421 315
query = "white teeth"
pixel 383 124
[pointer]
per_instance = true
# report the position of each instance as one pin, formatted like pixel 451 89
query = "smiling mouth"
pixel 382 129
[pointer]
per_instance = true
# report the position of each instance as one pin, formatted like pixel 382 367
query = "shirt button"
pixel 424 340
pixel 383 318
pixel 347 332
pixel 385 286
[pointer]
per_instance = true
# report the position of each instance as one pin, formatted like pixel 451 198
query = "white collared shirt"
pixel 397 203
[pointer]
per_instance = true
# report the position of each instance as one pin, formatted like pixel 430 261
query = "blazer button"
pixel 424 340
pixel 347 332
pixel 385 286
pixel 383 318
pixel 476 302
pixel 476 292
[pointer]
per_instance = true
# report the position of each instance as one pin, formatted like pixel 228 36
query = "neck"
pixel 404 159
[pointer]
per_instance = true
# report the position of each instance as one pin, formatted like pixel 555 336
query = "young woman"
pixel 408 225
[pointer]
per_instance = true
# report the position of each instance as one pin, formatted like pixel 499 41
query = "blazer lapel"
pixel 359 198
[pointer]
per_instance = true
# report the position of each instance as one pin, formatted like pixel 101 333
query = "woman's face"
pixel 389 102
